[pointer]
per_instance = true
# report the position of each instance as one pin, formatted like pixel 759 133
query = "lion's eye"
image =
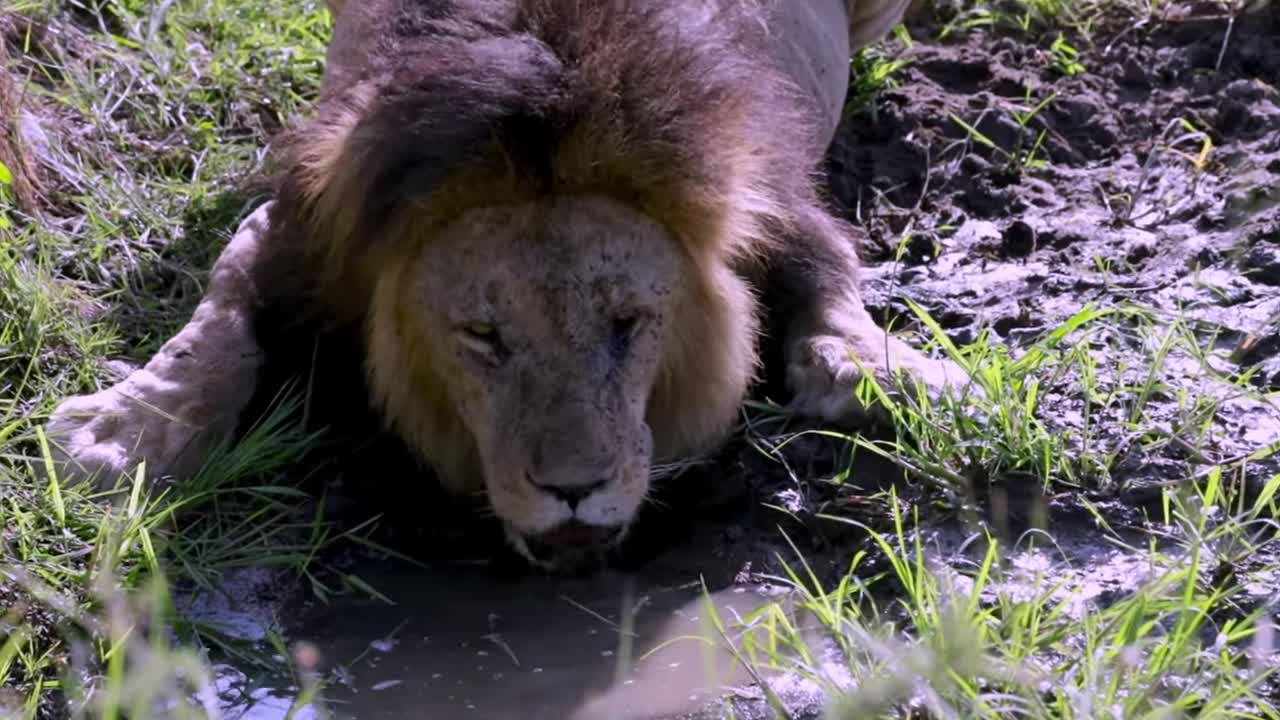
pixel 624 329
pixel 482 337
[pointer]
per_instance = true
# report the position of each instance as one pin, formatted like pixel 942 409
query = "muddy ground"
pixel 1118 206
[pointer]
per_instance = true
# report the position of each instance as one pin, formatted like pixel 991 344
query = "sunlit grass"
pixel 926 630
pixel 966 639
pixel 156 117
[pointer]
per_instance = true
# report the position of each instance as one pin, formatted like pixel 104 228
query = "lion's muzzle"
pixel 573 494
pixel 572 546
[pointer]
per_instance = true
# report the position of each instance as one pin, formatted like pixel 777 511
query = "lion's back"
pixel 807 41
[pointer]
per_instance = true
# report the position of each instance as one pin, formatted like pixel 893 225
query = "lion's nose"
pixel 572 494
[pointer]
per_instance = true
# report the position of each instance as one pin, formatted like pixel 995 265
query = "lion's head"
pixel 539 226
pixel 546 341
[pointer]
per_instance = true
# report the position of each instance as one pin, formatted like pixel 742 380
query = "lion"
pixel 556 234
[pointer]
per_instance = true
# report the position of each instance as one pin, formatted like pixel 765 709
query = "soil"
pixel 1122 210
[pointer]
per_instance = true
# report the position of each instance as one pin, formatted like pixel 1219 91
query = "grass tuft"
pixel 147 123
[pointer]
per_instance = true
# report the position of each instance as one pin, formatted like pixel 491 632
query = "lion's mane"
pixel 454 106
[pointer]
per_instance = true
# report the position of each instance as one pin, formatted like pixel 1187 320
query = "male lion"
pixel 548 226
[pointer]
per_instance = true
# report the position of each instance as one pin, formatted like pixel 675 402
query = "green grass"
pixel 1007 627
pixel 978 641
pixel 158 115
pixel 1081 18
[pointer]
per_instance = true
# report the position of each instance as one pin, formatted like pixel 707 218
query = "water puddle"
pixel 465 644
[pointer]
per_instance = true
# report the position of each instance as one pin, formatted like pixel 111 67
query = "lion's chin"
pixel 573 547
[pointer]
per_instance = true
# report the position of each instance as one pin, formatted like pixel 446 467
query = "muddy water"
pixel 461 643
pixel 456 645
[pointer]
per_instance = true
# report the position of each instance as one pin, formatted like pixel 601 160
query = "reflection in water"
pixel 464 645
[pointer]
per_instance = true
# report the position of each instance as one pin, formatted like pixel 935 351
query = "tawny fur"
pixel 671 148
pixel 568 98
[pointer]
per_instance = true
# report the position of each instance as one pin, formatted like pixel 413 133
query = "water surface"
pixel 616 647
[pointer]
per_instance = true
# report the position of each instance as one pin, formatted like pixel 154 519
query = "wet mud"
pixel 1120 204
pixel 1155 182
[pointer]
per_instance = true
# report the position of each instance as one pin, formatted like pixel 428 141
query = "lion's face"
pixel 550 321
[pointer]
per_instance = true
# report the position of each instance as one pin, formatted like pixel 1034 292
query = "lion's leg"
pixel 828 326
pixel 870 20
pixel 188 396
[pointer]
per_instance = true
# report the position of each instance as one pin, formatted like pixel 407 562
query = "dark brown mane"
pixel 506 101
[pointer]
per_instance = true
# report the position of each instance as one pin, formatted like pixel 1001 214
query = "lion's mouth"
pixel 575 534
pixel 570 544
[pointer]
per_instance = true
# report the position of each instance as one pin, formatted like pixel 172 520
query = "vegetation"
pixel 150 122
pixel 1002 627
pixel 153 119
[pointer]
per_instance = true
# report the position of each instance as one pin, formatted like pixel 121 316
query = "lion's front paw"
pixel 188 396
pixel 91 437
pixel 105 435
pixel 824 376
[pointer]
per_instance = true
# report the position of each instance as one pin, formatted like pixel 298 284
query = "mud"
pixel 452 641
pixel 1119 212
pixel 1119 206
